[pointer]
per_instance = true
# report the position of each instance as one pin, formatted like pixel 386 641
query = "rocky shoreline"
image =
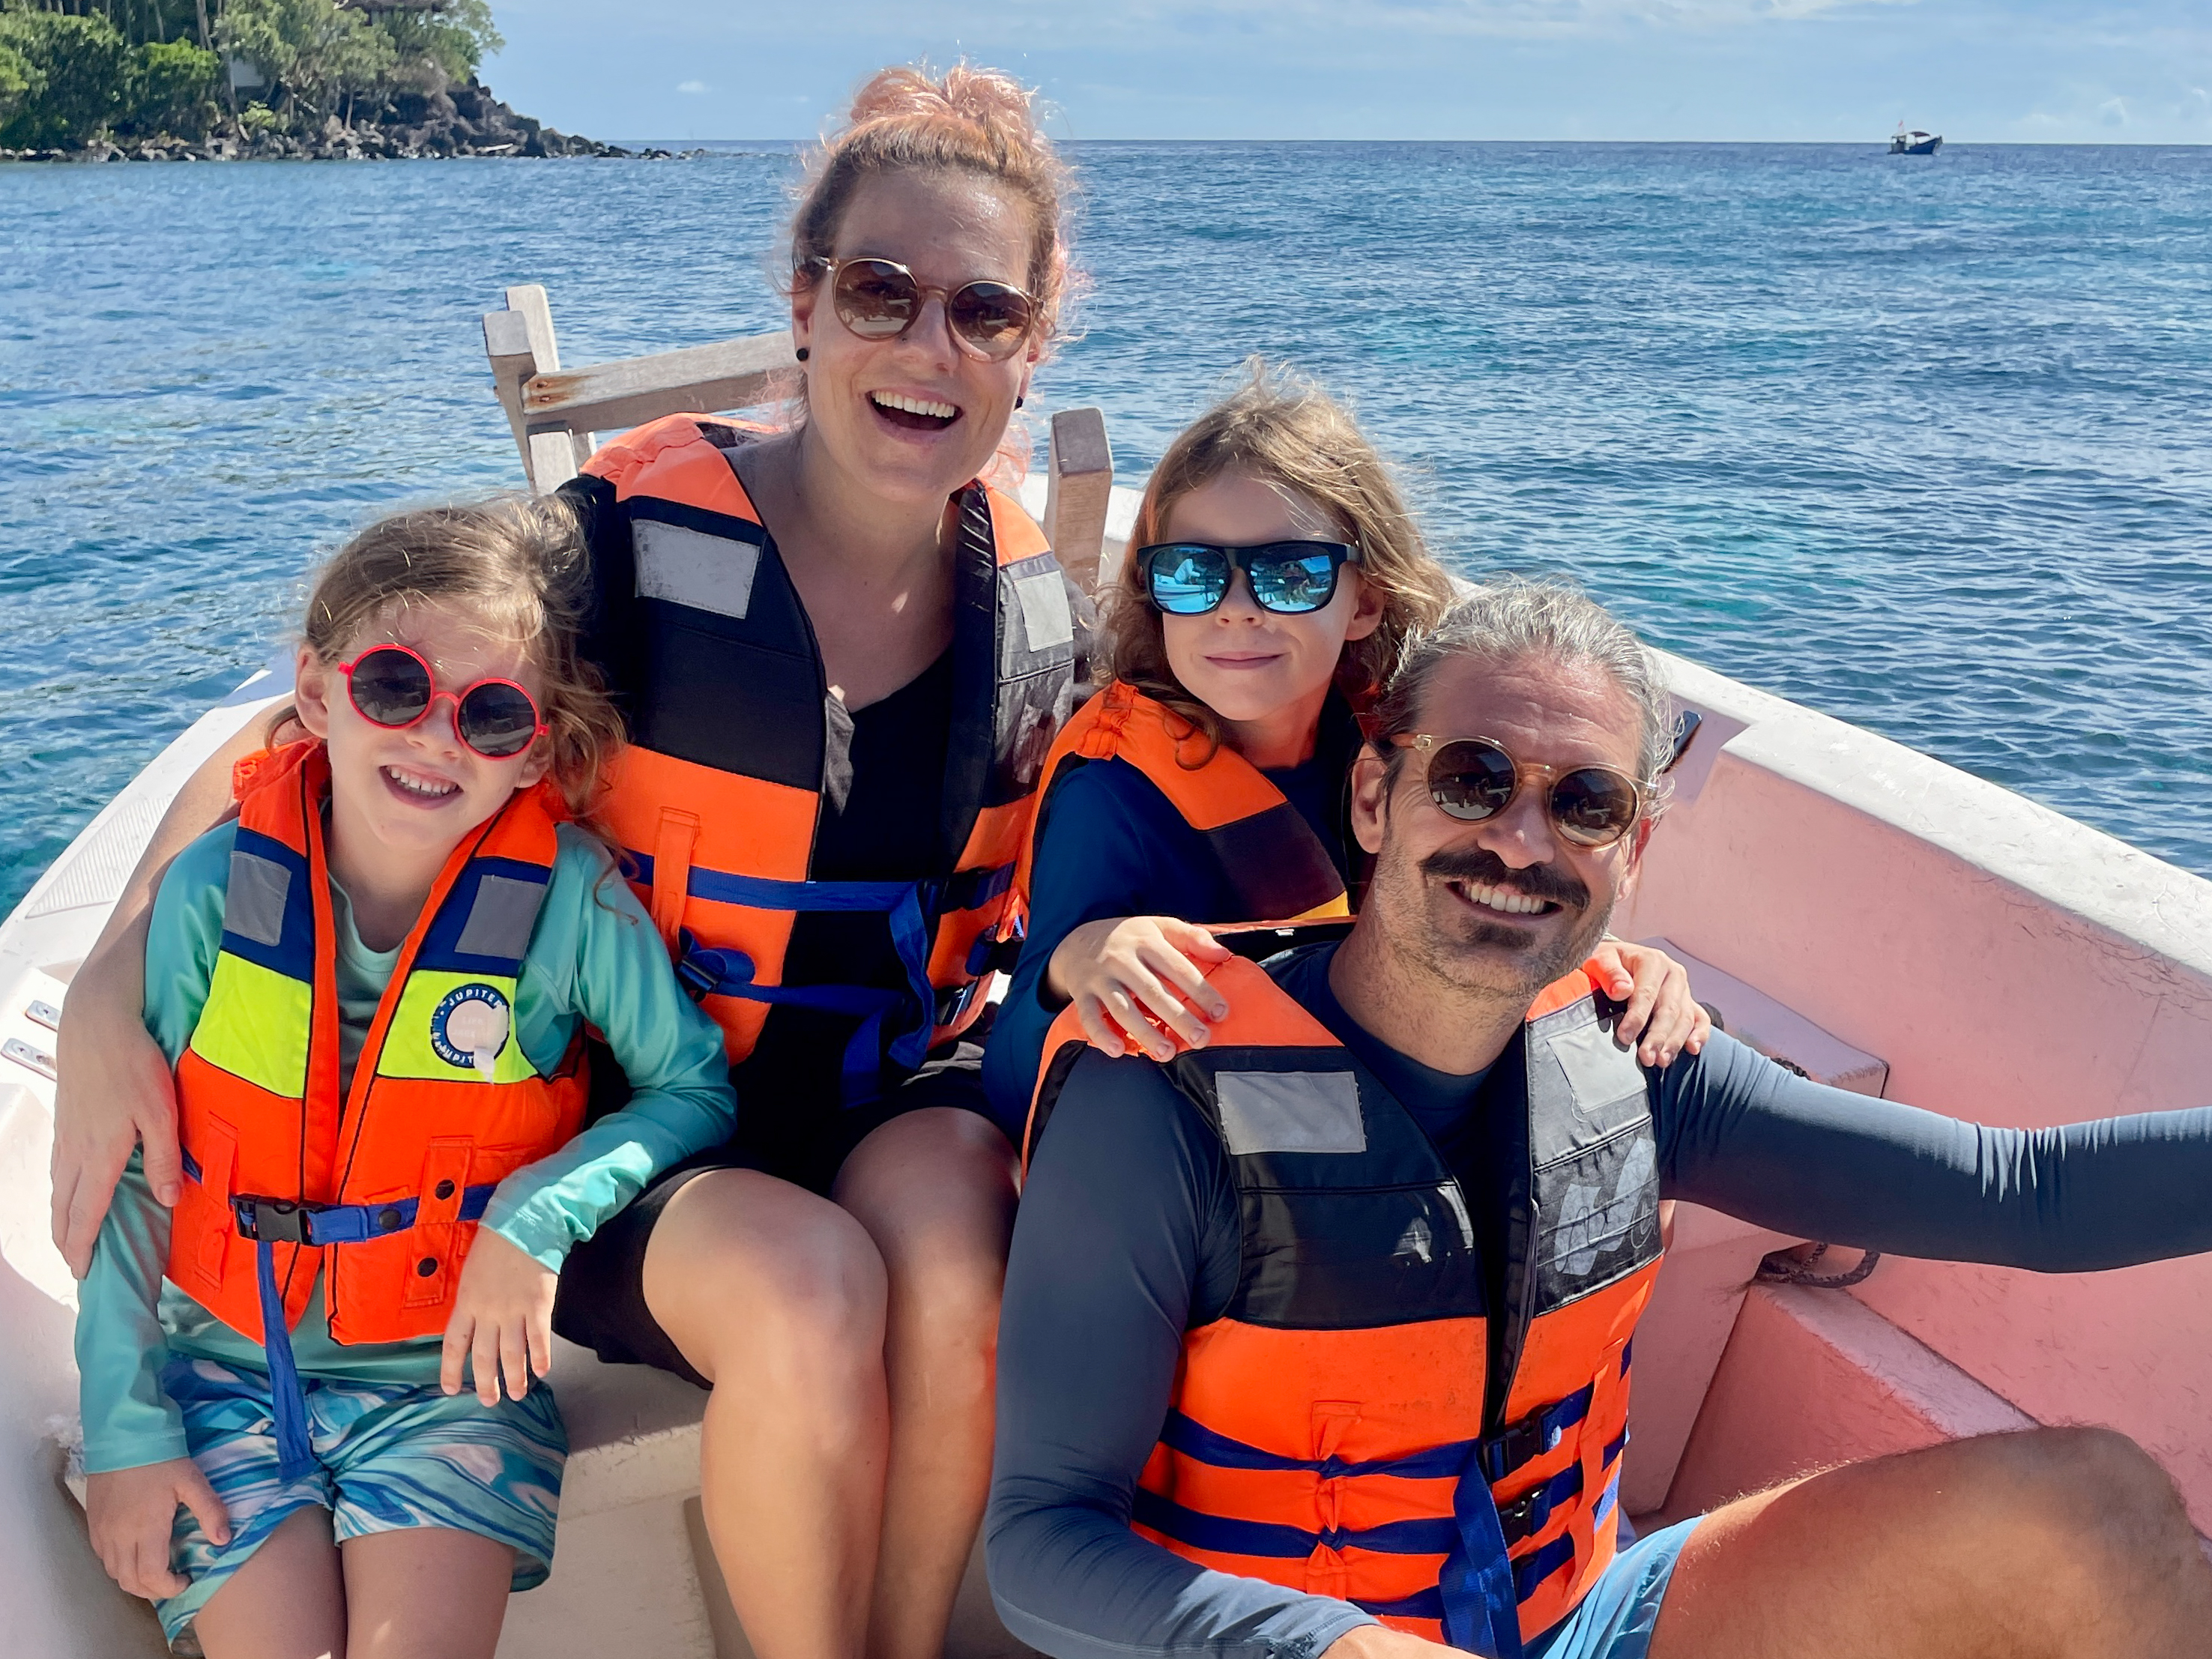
pixel 453 121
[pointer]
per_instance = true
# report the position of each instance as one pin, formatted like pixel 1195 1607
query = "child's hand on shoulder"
pixel 1661 1009
pixel 1123 973
pixel 503 1320
pixel 132 1513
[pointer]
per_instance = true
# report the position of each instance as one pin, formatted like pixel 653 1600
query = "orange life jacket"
pixel 734 738
pixel 1358 1423
pixel 379 1191
pixel 1277 865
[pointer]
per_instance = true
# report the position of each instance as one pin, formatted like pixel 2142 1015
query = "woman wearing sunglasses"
pixel 842 658
pixel 1274 576
pixel 373 987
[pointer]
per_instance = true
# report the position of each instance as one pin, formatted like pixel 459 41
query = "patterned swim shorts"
pixel 386 1458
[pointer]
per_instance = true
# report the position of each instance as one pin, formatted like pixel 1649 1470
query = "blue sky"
pixel 1987 71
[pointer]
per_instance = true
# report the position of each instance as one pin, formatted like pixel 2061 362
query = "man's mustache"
pixel 1484 868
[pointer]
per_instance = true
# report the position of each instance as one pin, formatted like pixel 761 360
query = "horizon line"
pixel 1779 143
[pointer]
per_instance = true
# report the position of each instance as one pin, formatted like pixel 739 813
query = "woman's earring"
pixel 802 353
pixel 1020 401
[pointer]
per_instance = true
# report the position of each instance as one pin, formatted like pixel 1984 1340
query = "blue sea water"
pixel 1924 443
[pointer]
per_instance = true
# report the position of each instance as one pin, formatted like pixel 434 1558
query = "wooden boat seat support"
pixel 554 412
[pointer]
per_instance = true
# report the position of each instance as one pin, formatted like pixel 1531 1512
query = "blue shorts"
pixel 387 1457
pixel 1615 1618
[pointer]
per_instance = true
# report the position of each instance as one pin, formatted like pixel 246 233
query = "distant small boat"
pixel 1916 143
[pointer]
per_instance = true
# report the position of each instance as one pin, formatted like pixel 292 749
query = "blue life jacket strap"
pixel 269 1222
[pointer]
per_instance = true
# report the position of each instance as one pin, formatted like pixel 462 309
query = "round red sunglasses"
pixel 394 687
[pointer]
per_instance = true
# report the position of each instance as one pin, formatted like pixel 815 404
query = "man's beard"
pixel 1496 958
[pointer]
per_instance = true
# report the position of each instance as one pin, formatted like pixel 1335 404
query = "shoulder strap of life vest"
pixel 1013 656
pixel 1589 1175
pixel 278 954
pixel 1269 853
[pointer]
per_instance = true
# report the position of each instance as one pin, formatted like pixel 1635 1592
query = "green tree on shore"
pixel 70 74
pixel 457 39
pixel 74 71
pixel 173 90
pixel 19 81
pixel 321 57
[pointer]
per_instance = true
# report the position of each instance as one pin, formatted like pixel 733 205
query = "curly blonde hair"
pixel 1282 428
pixel 976 121
pixel 517 565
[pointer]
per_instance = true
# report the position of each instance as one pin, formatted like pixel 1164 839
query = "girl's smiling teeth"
pixel 1506 900
pixel 909 410
pixel 419 785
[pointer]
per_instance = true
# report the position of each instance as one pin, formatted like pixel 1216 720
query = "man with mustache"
pixel 1315 1342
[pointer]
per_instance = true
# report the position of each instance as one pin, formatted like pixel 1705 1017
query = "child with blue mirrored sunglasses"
pixel 1275 576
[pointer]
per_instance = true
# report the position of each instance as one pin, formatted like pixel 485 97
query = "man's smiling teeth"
pixel 912 405
pixel 415 784
pixel 1501 898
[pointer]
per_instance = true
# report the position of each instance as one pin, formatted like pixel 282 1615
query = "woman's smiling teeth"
pixel 904 409
pixel 420 785
pixel 1502 899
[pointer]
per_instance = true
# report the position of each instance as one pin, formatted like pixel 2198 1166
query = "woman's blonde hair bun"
pixel 910 119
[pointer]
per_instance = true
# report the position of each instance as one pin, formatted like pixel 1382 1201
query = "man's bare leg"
pixel 2044 1545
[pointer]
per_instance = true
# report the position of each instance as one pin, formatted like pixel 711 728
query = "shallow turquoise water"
pixel 1927 445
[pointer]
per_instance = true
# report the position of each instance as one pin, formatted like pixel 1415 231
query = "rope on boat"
pixel 1788 1267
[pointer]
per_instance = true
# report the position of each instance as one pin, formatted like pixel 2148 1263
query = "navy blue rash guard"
pixel 1128 1237
pixel 1110 844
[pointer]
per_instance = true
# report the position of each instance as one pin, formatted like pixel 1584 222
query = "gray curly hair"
pixel 1511 618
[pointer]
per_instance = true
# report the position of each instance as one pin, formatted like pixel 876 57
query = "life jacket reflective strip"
pixel 379 1191
pixel 716 799
pixel 1279 867
pixel 1357 1423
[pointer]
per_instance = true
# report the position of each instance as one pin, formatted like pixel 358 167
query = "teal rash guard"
pixel 593 957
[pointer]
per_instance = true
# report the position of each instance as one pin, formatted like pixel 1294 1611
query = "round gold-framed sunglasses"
pixel 881 300
pixel 1472 779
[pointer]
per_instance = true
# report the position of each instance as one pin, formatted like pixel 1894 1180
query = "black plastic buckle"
pixel 276 1220
pixel 695 981
pixel 1517 1444
pixel 952 1002
pixel 1527 1514
pixel 993 955
pixel 965 890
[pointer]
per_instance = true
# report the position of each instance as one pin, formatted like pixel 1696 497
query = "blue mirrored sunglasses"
pixel 1188 579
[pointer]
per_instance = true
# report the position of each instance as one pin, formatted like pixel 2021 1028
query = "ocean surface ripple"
pixel 1926 444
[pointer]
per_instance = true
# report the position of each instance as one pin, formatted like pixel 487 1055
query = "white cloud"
pixel 692 87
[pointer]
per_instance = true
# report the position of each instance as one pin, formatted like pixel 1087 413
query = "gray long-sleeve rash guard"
pixel 1128 1237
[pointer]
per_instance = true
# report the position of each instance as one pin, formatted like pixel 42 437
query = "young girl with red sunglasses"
pixel 1275 573
pixel 372 987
